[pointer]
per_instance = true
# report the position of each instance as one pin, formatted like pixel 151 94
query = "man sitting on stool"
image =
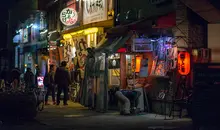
pixel 128 98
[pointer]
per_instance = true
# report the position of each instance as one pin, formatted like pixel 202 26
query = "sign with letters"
pixel 68 16
pixel 94 11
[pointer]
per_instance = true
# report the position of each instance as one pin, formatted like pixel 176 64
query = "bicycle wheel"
pixel 40 106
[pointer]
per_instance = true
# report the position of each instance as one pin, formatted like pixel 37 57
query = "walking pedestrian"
pixel 50 84
pixel 62 79
pixel 29 78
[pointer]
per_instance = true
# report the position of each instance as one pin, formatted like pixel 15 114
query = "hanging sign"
pixel 68 16
pixel 184 63
pixel 25 35
pixel 94 11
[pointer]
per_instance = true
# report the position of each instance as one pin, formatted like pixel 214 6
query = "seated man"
pixel 128 98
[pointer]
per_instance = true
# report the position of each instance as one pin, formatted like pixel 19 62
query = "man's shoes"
pixel 57 104
pixel 65 104
pixel 54 103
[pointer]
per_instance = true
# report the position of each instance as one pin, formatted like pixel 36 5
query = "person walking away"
pixel 15 77
pixel 62 79
pixel 50 84
pixel 29 79
pixel 37 73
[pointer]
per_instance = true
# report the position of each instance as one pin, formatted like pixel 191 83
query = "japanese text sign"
pixel 68 16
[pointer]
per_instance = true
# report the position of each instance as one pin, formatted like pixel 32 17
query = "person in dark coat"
pixel 62 79
pixel 50 85
pixel 29 79
pixel 15 77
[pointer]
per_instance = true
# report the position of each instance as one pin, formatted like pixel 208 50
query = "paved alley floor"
pixel 76 117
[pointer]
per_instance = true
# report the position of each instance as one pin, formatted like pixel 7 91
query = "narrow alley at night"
pixel 110 64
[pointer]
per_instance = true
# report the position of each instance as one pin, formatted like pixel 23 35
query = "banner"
pixel 25 35
pixel 94 11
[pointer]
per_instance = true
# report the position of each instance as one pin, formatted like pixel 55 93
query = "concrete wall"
pixel 214 41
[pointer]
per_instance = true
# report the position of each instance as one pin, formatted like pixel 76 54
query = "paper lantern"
pixel 138 64
pixel 184 63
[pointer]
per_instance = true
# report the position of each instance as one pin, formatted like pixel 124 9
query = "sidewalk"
pixel 76 117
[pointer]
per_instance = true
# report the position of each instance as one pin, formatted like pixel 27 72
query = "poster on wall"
pixel 172 58
pixel 81 53
pixel 21 35
pixel 68 51
pixel 33 34
pixel 154 65
pixel 54 57
pixel 110 9
pixel 160 68
pixel 25 35
pixel 42 21
pixel 144 68
pixel 94 11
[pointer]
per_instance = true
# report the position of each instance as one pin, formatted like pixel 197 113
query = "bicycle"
pixel 74 90
pixel 40 96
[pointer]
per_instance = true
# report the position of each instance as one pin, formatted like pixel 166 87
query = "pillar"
pixel 123 76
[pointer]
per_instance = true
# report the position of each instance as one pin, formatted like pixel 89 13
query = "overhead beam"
pixel 204 9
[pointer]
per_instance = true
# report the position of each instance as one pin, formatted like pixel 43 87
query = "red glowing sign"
pixel 184 63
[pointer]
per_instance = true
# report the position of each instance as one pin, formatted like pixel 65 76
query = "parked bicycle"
pixel 40 97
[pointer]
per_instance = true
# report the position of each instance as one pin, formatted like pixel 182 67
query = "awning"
pixel 16 39
pixel 113 44
pixel 35 47
pixel 144 24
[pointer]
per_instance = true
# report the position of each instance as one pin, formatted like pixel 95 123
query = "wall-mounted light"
pixel 35 26
pixel 45 31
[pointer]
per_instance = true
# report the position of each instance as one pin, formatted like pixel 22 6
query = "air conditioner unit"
pixel 202 55
pixel 142 45
pixel 196 55
pixel 206 55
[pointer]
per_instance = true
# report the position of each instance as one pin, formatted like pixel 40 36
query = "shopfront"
pixel 145 61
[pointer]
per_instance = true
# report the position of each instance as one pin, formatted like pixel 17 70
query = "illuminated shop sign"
pixel 94 11
pixel 184 63
pixel 142 45
pixel 68 16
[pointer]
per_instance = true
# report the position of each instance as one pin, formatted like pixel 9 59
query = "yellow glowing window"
pixel 138 64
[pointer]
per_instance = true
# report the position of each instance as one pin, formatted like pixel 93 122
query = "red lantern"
pixel 184 63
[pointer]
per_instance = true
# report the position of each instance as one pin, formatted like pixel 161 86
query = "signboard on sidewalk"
pixel 40 81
